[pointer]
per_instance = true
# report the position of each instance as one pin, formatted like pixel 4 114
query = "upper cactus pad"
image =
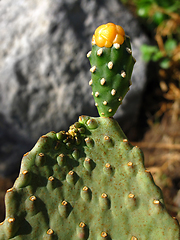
pixel 111 67
pixel 87 183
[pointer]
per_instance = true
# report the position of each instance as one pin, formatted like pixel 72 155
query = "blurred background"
pixel 44 77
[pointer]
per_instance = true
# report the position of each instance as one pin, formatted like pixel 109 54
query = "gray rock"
pixel 44 72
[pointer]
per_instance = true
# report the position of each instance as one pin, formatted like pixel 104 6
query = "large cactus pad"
pixel 88 183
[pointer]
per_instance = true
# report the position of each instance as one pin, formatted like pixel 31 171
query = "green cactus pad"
pixel 111 70
pixel 87 183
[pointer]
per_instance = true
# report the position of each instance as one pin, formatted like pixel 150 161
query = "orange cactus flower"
pixel 108 34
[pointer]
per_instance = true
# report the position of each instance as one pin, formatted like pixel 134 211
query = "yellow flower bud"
pixel 108 34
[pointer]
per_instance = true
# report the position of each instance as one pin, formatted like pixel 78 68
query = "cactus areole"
pixel 90 183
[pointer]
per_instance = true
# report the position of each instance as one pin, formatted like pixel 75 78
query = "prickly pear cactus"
pixel 87 183
pixel 111 67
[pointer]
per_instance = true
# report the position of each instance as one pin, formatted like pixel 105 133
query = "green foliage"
pixel 156 16
pixel 87 183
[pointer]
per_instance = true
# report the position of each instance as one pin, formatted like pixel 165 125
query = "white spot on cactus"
pixel 9 190
pixel 131 195
pixel 32 198
pixel 90 82
pixel 96 104
pixel 104 234
pixel 25 172
pixel 156 202
pixel 96 94
pixel 129 50
pixel 89 54
pixel 103 81
pixel 110 65
pixel 116 45
pixel 105 103
pixel 93 69
pixel 51 178
pixel 123 74
pixel 130 164
pixel 110 110
pixel 102 113
pixel 50 231
pixel 134 238
pixel 11 220
pixel 113 92
pixel 82 224
pixel 99 52
pixel 120 99
pixel 125 140
pixel 104 195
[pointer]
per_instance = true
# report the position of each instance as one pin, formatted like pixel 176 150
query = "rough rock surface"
pixel 44 72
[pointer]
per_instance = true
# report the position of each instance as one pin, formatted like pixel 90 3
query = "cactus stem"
pixel 110 65
pixel 90 82
pixel 104 234
pixel 93 69
pixel 96 94
pixel 99 52
pixel 113 92
pixel 123 74
pixel 89 54
pixel 50 231
pixel 103 81
pixel 33 198
pixel 105 102
pixel 116 45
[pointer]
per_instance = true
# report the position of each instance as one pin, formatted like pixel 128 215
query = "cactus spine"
pixel 87 183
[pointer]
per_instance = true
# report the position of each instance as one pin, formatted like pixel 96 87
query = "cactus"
pixel 87 183
pixel 111 68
